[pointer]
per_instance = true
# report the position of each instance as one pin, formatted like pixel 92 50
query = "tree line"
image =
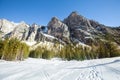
pixel 13 49
pixel 104 49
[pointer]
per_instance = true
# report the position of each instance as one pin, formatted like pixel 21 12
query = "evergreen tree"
pixel 13 49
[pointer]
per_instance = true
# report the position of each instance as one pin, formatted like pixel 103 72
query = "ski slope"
pixel 56 69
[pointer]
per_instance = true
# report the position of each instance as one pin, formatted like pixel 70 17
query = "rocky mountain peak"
pixel 58 29
pixel 76 20
pixel 54 22
pixel 6 26
pixel 55 19
pixel 80 28
pixel 74 14
pixel 6 22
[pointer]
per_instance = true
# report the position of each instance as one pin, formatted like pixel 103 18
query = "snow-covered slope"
pixel 7 26
pixel 56 69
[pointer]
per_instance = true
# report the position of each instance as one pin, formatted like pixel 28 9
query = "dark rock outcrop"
pixel 32 32
pixel 79 27
pixel 58 29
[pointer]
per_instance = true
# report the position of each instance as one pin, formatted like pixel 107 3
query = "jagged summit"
pixel 54 19
pixel 75 20
pixel 75 14
pixel 6 26
pixel 53 22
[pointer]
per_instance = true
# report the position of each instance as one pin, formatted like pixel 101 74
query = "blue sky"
pixel 41 11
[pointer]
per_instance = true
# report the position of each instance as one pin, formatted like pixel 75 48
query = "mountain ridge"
pixel 73 29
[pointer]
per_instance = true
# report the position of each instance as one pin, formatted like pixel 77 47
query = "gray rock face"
pixel 87 31
pixel 79 27
pixel 36 33
pixel 75 21
pixel 20 31
pixel 58 29
pixel 6 27
pixel 24 32
pixel 32 33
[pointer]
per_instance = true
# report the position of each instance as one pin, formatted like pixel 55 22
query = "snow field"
pixel 56 69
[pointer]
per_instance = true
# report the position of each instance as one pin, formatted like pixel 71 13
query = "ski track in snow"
pixel 40 69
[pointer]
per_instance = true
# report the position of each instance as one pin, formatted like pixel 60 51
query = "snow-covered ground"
pixel 56 69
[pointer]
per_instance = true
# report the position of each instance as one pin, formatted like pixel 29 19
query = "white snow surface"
pixel 48 35
pixel 57 69
pixel 30 43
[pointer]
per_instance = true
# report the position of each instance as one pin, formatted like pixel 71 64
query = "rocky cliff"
pixel 88 31
pixel 59 30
